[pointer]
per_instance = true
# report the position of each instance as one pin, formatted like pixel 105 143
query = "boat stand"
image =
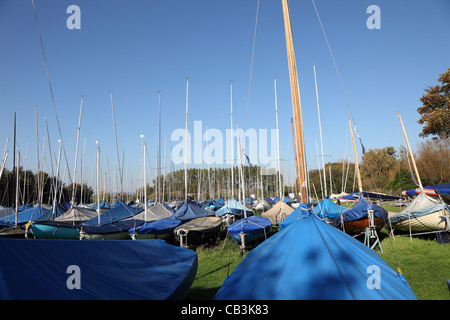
pixel 182 234
pixel 371 234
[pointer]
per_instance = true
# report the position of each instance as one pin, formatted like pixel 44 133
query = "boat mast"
pixel 232 140
pixel 296 103
pixel 145 181
pixel 411 154
pixel 56 183
pixel 295 153
pixel 164 179
pixel 76 155
pixel 117 148
pixel 278 140
pixel 17 188
pixel 320 131
pixel 37 156
pixel 98 188
pixel 158 163
pixel 356 158
pixel 186 143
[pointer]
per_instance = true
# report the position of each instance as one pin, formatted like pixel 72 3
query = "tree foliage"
pixel 435 111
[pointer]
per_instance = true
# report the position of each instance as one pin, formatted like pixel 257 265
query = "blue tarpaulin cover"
pixel 121 212
pixel 119 226
pixel 250 225
pixel 25 215
pixel 443 188
pixel 189 211
pixel 161 226
pixel 233 207
pixel 360 210
pixel 299 212
pixel 328 208
pixel 310 259
pixel 110 270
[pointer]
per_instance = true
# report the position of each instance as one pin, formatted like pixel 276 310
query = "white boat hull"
pixel 426 223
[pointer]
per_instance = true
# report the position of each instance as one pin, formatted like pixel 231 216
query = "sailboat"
pixel 278 212
pixel 310 259
pixel 363 214
pixel 423 214
pixel 197 224
pixel 250 230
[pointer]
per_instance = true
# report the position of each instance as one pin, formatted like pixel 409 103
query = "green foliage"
pixel 37 186
pixel 214 182
pixel 435 109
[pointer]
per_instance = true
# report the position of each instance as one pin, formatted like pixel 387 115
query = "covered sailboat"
pixel 354 221
pixel 199 230
pixel 423 214
pixel 157 229
pixel 189 211
pixel 249 231
pixel 333 266
pixel 278 212
pixel 235 208
pixel 111 224
pixel 64 226
pixel 93 270
pixel 328 209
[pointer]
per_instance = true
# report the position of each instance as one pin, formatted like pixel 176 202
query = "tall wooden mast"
pixel 296 104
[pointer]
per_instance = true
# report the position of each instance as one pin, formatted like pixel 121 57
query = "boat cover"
pixel 5 211
pixel 161 226
pixel 121 212
pixel 359 211
pixel 212 205
pixel 25 215
pixel 299 212
pixel 201 224
pixel 189 211
pixel 278 212
pixel 234 207
pixel 310 259
pixel 115 227
pixel 156 212
pixel 328 208
pixel 419 206
pixel 250 225
pixel 443 188
pixel 103 205
pixel 73 215
pixel 108 270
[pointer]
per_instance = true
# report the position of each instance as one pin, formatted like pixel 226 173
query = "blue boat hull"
pixel 44 231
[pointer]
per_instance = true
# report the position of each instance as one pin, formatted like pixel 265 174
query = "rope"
pixel 251 64
pixel 50 85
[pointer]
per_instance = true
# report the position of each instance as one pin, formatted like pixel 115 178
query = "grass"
pixel 214 264
pixel 424 263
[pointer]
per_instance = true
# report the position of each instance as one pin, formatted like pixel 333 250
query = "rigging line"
pixel 334 61
pixel 251 65
pixel 50 85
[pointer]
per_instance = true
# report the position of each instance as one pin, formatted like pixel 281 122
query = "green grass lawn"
pixel 424 262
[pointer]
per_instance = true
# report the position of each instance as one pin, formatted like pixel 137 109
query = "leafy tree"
pixel 435 111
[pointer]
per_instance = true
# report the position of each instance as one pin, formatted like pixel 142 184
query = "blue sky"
pixel 137 48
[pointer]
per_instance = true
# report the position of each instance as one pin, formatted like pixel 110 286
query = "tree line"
pixel 386 170
pixel 204 184
pixel 38 187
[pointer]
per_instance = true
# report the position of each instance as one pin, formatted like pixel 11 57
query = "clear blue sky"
pixel 137 48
